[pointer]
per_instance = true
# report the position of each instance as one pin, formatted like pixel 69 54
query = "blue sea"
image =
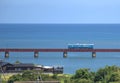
pixel 59 36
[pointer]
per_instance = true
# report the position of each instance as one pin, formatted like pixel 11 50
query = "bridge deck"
pixel 56 50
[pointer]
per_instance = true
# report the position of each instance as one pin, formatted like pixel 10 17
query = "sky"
pixel 60 11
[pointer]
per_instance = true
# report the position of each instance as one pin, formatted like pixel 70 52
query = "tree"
pixel 82 73
pixel 107 74
pixel 17 62
pixel 99 76
pixel 115 77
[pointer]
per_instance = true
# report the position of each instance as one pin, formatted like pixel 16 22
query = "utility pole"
pixel 39 79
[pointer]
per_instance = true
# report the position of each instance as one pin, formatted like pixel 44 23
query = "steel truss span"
pixel 56 50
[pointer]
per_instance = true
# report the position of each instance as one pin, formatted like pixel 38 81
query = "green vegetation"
pixel 109 74
pixel 32 76
pixel 17 62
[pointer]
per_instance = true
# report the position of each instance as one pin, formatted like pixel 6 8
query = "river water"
pixel 59 36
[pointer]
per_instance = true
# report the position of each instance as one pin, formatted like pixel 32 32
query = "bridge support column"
pixel 93 54
pixel 64 54
pixel 36 54
pixel 6 54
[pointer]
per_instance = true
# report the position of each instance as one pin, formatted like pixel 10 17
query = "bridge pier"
pixel 64 54
pixel 93 54
pixel 36 54
pixel 6 54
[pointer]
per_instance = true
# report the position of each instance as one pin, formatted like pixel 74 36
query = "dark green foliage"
pixel 84 81
pixel 17 62
pixel 54 76
pixel 103 75
pixel 109 74
pixel 83 74
pixel 46 77
pixel 115 77
pixel 17 77
pixel 29 75
pixel 77 81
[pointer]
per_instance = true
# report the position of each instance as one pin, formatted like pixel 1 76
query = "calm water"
pixel 58 36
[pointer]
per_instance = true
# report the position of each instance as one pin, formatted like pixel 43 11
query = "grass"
pixel 61 77
pixel 6 76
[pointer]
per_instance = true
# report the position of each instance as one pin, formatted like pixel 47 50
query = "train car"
pixel 80 46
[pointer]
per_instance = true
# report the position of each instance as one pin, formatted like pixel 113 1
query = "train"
pixel 80 46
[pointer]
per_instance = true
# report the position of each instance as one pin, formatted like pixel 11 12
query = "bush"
pixel 17 77
pixel 29 75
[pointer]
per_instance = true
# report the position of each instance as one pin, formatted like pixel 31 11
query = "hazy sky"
pixel 59 11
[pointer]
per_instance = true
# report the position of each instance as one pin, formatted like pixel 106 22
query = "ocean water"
pixel 59 36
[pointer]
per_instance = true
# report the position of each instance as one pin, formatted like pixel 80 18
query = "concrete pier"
pixel 6 54
pixel 64 54
pixel 93 54
pixel 36 54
